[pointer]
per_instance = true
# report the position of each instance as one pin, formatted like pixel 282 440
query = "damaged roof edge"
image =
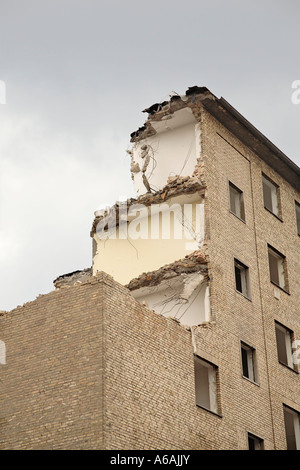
pixel 237 124
pixel 158 106
pixel 71 278
pixel 175 103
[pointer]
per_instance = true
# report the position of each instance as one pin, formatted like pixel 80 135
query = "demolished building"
pixel 186 328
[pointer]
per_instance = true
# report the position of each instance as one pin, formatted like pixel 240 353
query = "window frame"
pixel 212 384
pixel 268 183
pixel 251 362
pixel 245 279
pixel 238 194
pixel 287 344
pixel 297 210
pixel 296 425
pixel 258 440
pixel 280 259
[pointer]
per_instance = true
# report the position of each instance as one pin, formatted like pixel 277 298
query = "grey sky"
pixel 79 73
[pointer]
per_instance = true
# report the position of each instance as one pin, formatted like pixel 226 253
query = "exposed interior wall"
pixel 128 255
pixel 173 150
pixel 185 298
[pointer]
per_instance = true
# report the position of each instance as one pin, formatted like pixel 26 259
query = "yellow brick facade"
pixel 88 367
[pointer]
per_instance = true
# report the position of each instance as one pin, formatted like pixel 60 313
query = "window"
pixel 206 384
pixel 298 217
pixel 254 442
pixel 241 278
pixel 284 339
pixel 236 201
pixel 271 195
pixel 2 353
pixel 277 267
pixel 292 428
pixel 248 362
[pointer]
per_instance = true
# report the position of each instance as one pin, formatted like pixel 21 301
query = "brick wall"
pixel 88 367
pixel 237 318
pixel 149 382
pixel 51 385
pixel 56 395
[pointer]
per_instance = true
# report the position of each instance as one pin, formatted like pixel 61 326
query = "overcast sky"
pixel 78 74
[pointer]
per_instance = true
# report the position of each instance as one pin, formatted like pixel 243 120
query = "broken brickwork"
pixel 89 367
pixel 192 263
pixel 92 340
pixel 175 187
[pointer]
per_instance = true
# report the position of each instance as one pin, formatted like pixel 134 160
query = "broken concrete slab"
pixel 71 278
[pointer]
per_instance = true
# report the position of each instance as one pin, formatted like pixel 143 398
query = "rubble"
pixel 165 110
pixel 194 262
pixel 71 278
pixel 197 98
pixel 175 186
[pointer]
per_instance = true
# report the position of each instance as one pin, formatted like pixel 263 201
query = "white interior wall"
pixel 167 300
pixel 125 257
pixel 173 150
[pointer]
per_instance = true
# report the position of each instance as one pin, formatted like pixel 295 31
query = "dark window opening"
pixel 236 201
pixel 255 443
pixel 292 428
pixel 284 339
pixel 241 278
pixel 277 268
pixel 271 195
pixel 248 362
